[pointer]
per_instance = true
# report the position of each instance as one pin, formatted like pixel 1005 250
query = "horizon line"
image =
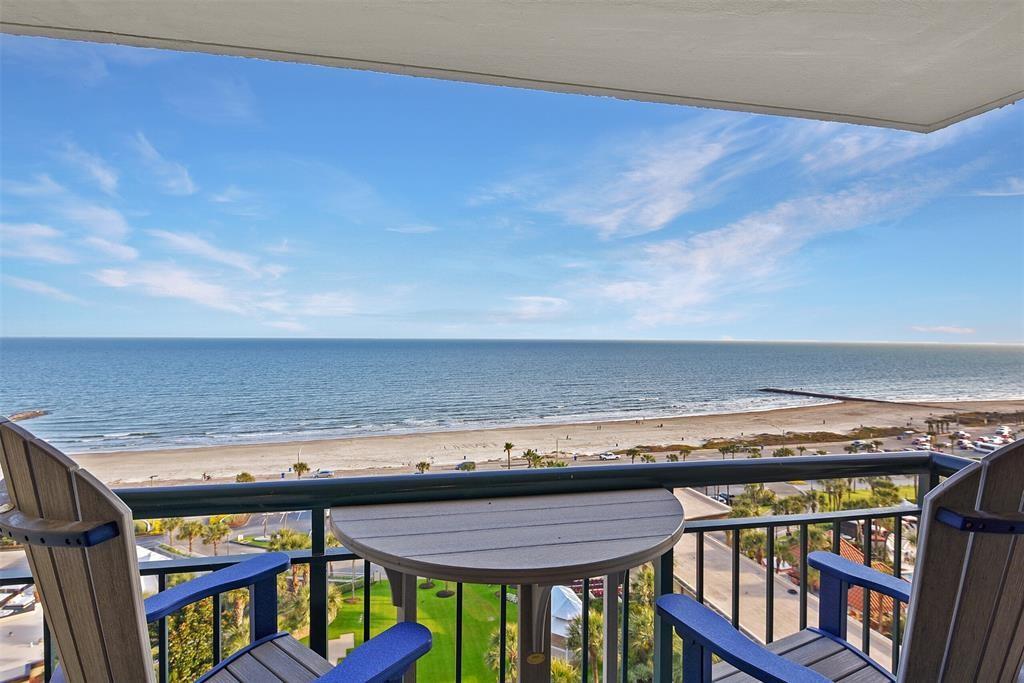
pixel 530 339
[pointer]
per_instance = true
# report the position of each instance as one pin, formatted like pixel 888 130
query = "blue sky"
pixel 148 193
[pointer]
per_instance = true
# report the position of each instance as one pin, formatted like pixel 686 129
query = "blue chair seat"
pixel 831 657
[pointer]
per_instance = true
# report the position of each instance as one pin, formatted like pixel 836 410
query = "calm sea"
pixel 112 394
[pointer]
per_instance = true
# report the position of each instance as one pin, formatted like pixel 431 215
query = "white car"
pixel 1004 431
pixel 608 456
pixel 962 434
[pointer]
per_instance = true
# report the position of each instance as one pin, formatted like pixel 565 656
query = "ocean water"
pixel 114 394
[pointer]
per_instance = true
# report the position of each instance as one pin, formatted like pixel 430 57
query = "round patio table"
pixel 534 542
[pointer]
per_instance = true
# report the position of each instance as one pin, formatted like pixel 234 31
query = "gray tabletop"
pixel 540 540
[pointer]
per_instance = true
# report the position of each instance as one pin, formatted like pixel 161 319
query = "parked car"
pixel 608 456
pixel 323 474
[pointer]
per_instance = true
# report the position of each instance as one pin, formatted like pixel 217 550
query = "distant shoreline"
pixel 392 453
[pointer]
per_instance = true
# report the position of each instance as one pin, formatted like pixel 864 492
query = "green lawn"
pixel 479 619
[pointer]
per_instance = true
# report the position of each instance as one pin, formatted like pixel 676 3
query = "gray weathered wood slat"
pixel 506 505
pixel 303 655
pixel 57 501
pixel 249 669
pixel 969 584
pixel 866 675
pixel 223 676
pixel 993 583
pixel 817 652
pixel 779 647
pixel 806 653
pixel 112 565
pixel 21 489
pixel 492 519
pixel 284 666
pixel 938 548
pixel 428 543
pixel 99 630
pixel 516 540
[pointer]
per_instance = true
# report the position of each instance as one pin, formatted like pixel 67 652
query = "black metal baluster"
pixel 318 585
pixel 700 566
pixel 803 576
pixel 161 635
pixel 503 633
pixel 836 535
pixel 366 599
pixel 458 632
pixel 625 624
pixel 216 607
pixel 769 587
pixel 897 609
pixel 585 647
pixel 866 625
pixel 736 578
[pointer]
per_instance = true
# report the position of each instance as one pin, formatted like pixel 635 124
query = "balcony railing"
pixel 317 495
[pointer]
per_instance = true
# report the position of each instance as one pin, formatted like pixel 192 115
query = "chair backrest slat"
pixel 968 592
pixel 91 596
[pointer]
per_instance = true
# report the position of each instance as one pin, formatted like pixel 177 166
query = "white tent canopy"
pixel 565 606
pixel 910 64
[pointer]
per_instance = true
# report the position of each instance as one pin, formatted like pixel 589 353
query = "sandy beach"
pixel 400 452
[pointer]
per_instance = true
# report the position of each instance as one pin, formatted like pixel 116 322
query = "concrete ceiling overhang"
pixel 916 65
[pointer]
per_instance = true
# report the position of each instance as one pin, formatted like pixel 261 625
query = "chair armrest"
pixel 859 575
pixel 693 621
pixel 241 575
pixel 384 657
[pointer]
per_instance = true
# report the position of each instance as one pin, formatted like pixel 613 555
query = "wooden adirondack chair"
pixel 81 549
pixel 966 606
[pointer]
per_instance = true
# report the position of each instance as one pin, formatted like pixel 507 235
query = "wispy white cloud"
pixel 413 229
pixel 942 329
pixel 230 195
pixel 857 150
pixel 212 98
pixel 81 64
pixel 93 166
pixel 41 185
pixel 287 325
pixel 103 221
pixel 173 176
pixel 1010 187
pixel 41 288
pixel 115 250
pixel 173 282
pixel 326 305
pixel 536 308
pixel 197 246
pixel 34 242
pixel 682 280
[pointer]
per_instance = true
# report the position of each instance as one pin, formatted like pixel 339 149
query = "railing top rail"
pixel 306 494
pixel 796 520
pixel 189 565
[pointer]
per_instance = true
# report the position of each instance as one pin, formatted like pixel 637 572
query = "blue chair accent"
pixel 704 632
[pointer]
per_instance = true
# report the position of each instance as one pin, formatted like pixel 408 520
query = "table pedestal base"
pixel 403 596
pixel 534 634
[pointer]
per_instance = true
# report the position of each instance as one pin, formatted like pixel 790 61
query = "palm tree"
pixel 633 453
pixel 189 531
pixel 783 453
pixel 170 525
pixel 300 469
pixel 647 458
pixel 877 443
pixel 574 641
pixel 215 532
pixel 850 448
pixel 685 451
pixel 422 466
pixel 533 458
pixel 286 539
pixel 672 457
pixel 801 449
pixel 493 655
pixel 508 453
